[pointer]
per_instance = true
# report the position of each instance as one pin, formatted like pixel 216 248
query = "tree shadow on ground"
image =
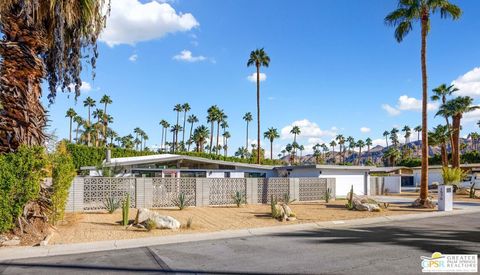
pixel 428 239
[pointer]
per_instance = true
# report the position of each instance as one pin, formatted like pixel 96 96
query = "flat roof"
pixel 172 157
pixel 331 167
pixel 465 165
pixel 390 169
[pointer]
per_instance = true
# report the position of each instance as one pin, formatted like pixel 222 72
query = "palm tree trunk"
pixel 218 136
pixel 424 174
pixel 161 141
pixel 258 114
pixel 271 149
pixel 212 124
pixel 183 131
pixel 456 141
pixel 450 135
pixel 70 134
pixel 443 148
pixel 190 136
pixel 246 138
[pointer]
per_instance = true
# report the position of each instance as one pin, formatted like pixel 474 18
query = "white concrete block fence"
pixel 90 193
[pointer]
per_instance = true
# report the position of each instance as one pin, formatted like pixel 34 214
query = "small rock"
pixel 287 210
pixel 15 238
pixel 144 214
pixel 290 219
pixel 11 243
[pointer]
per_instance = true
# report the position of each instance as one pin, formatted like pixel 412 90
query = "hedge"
pixel 20 177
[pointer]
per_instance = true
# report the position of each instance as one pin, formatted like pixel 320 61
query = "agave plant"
pixel 238 198
pixel 112 204
pixel 182 201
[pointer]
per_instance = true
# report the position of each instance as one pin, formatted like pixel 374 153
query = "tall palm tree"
pixel 42 41
pixel 192 119
pixel 79 120
pixel 258 58
pixel 391 155
pixel 186 108
pixel 440 136
pixel 105 100
pixel 137 131
pixel 162 123
pixel 271 135
pixel 455 108
pixel 226 135
pixel 221 117
pixel 368 143
pixel 248 118
pixel 212 116
pixel 360 145
pixel 70 114
pixel 351 143
pixel 394 136
pixel 341 141
pixel 242 152
pixel 89 103
pixel 408 132
pixel 333 144
pixel 409 12
pixel 176 129
pixel 440 94
pixel 386 134
pixel 98 114
pixel 418 130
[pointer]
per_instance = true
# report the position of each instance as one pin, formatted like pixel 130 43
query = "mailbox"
pixel 445 198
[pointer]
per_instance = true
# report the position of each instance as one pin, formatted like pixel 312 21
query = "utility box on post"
pixel 445 198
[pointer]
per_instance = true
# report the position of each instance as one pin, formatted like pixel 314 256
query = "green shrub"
pixel 181 201
pixel 111 204
pixel 125 210
pixel 273 207
pixel 20 177
pixel 328 195
pixel 150 225
pixel 63 173
pixel 238 198
pixel 452 176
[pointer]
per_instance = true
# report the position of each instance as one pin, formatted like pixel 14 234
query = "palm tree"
pixel 221 117
pixel 137 131
pixel 418 130
pixel 333 144
pixel 386 134
pixel 144 138
pixel 455 108
pixel 258 58
pixel 192 119
pixel 408 12
pixel 226 135
pixel 394 136
pixel 271 135
pixel 341 141
pixel 408 132
pixel 79 120
pixel 242 152
pixel 440 94
pixel 70 114
pixel 175 130
pixel 440 136
pixel 391 155
pixel 186 108
pixel 248 118
pixel 89 103
pixel 360 145
pixel 162 123
pixel 368 143
pixel 351 143
pixel 212 116
pixel 295 131
pixel 200 135
pixel 42 41
pixel 105 100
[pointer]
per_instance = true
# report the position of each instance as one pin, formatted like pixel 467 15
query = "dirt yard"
pixel 103 226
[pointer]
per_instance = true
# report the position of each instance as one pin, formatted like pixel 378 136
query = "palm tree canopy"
pixel 258 58
pixel 271 134
pixel 186 107
pixel 457 106
pixel 442 91
pixel 248 117
pixel 295 130
pixel 411 11
pixel 192 119
pixel 66 28
pixel 178 108
pixel 89 102
pixel 106 100
pixel 71 113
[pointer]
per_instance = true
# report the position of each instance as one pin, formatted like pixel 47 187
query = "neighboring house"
pixel 395 177
pixel 435 172
pixel 345 176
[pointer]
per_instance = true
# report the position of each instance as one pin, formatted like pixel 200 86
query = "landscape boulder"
pixel 162 221
pixel 365 203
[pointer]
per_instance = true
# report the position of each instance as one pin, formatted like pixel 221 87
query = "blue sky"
pixel 335 66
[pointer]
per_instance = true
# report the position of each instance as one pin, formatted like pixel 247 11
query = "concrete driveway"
pixel 387 248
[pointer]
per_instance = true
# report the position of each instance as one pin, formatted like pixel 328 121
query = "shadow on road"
pixel 429 239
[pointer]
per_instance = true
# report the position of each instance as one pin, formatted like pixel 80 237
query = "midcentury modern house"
pixel 181 166
pixel 435 172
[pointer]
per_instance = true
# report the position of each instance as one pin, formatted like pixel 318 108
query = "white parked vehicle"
pixel 469 180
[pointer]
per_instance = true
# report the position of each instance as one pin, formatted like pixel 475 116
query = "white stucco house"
pixel 180 166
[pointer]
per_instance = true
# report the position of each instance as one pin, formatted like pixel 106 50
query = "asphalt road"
pixel 392 248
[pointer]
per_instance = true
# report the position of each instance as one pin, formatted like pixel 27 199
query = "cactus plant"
pixel 328 195
pixel 349 204
pixel 472 191
pixel 125 210
pixel 238 198
pixel 273 207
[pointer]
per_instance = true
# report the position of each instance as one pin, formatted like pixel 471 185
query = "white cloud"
pixel 85 87
pixel 472 116
pixel 133 57
pixel 132 21
pixel 308 130
pixel 379 141
pixel 390 110
pixel 187 56
pixel 406 103
pixel 365 130
pixel 253 77
pixel 469 83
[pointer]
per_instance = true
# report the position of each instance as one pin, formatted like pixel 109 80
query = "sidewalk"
pixel 42 251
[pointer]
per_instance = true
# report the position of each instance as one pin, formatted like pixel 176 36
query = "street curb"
pixel 67 249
